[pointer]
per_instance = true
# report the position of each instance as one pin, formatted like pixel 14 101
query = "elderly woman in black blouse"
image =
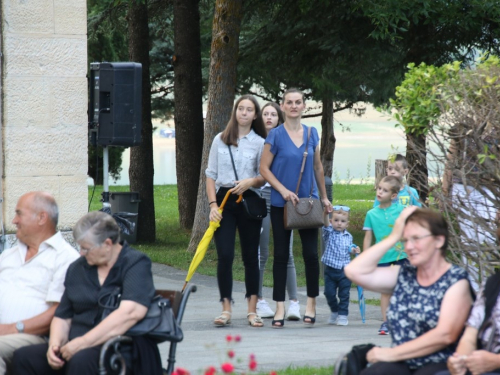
pixel 77 332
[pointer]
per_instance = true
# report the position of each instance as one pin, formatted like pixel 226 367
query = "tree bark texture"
pixel 416 155
pixel 221 90
pixel 141 170
pixel 380 170
pixel 188 107
pixel 328 139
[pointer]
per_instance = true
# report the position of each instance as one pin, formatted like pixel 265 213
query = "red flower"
pixel 230 353
pixel 252 357
pixel 237 338
pixel 252 365
pixel 273 373
pixel 182 371
pixel 227 368
pixel 175 373
pixel 210 371
pixel 229 338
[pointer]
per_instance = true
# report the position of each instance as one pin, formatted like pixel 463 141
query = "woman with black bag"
pixel 78 329
pixel 281 167
pixel 233 164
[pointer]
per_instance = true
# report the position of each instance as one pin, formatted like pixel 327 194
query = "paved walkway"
pixel 205 345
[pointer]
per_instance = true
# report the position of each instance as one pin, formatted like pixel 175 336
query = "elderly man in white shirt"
pixel 31 275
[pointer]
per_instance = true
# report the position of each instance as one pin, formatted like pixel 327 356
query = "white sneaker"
pixel 293 311
pixel 333 318
pixel 342 320
pixel 263 309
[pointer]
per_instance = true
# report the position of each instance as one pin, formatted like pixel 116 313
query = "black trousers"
pixel 281 237
pixel 32 360
pixel 233 217
pixel 401 368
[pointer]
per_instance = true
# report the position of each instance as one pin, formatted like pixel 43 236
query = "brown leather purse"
pixel 308 212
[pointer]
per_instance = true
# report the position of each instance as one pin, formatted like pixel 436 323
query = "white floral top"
pixel 476 318
pixel 414 310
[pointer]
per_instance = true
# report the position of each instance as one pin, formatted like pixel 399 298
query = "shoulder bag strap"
pixel 303 161
pixel 232 161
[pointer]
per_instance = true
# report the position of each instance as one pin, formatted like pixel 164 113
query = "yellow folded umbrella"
pixel 205 241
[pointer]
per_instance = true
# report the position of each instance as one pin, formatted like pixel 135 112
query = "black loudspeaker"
pixel 115 104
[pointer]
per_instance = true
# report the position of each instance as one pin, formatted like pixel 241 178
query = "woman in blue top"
pixel 280 166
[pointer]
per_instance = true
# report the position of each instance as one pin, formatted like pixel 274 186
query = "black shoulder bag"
pixel 254 205
pixel 353 362
pixel 159 324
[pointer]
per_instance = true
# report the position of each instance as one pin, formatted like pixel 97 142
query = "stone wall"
pixel 44 104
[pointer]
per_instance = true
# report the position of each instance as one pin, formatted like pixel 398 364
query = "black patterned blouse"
pixel 414 310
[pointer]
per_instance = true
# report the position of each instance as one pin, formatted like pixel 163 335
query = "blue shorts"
pixel 399 262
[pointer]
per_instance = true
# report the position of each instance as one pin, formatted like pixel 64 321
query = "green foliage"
pixel 172 242
pixel 416 103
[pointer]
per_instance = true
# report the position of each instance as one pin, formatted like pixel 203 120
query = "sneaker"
pixel 342 320
pixel 293 311
pixel 384 329
pixel 263 309
pixel 333 318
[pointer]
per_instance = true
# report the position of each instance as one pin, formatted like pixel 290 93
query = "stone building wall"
pixel 44 104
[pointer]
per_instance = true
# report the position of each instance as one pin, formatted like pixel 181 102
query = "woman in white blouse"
pixel 243 139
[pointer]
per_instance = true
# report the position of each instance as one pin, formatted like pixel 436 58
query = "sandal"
pixel 256 321
pixel 224 319
pixel 278 323
pixel 312 320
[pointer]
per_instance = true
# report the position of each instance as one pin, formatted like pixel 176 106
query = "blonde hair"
pixel 393 182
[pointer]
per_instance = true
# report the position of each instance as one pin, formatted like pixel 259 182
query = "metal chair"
pixel 111 356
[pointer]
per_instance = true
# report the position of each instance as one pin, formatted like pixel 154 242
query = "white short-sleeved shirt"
pixel 29 288
pixel 246 159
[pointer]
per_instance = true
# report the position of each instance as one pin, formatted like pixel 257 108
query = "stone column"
pixel 44 104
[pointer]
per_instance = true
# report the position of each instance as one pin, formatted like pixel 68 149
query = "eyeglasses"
pixel 415 239
pixel 84 250
pixel 341 208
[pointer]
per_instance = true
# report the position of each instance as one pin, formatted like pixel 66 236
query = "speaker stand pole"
pixel 105 170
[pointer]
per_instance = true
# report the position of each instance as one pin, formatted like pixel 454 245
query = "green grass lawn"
pixel 172 241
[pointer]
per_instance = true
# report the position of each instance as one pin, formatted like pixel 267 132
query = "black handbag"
pixel 353 362
pixel 159 324
pixel 254 205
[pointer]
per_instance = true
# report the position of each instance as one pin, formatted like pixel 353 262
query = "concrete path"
pixel 295 345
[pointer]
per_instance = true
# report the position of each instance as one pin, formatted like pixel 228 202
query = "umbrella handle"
pixel 240 197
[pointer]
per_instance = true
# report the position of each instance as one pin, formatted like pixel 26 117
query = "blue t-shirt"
pixel 381 221
pixel 408 196
pixel 288 160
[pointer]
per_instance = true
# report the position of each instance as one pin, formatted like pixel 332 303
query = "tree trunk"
pixel 416 155
pixel 221 90
pixel 188 107
pixel 141 171
pixel 328 139
pixel 380 170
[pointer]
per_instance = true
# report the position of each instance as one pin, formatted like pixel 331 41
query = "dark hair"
pixel 394 183
pixel 293 90
pixel 276 106
pixel 433 221
pixel 401 158
pixel 230 134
